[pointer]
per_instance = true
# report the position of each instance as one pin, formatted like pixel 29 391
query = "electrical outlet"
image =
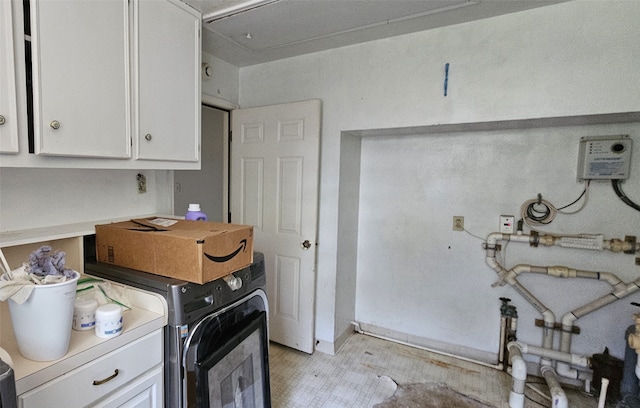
pixel 458 223
pixel 142 183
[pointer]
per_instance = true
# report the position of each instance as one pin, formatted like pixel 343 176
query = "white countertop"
pixel 148 313
pixel 28 236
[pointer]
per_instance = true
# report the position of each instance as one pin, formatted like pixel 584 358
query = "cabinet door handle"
pixel 148 137
pixel 2 120
pixel 111 377
pixel 55 124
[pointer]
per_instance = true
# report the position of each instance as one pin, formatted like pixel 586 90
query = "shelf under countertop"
pixel 73 230
pixel 147 314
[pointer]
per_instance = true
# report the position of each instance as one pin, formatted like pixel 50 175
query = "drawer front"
pixel 144 392
pixel 94 380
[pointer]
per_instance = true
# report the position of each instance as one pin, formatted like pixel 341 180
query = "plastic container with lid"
pixel 108 321
pixel 195 214
pixel 84 314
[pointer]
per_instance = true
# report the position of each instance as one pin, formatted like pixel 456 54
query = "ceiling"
pixel 249 32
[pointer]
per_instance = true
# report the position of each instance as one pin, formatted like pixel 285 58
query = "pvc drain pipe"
pixel 519 375
pixel 558 397
pixel 603 392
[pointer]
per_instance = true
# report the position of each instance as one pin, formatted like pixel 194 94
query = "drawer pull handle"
pixel 111 377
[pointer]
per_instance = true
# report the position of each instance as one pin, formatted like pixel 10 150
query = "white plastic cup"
pixel 108 321
pixel 84 314
pixel 42 324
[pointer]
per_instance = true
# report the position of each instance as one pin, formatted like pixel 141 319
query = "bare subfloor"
pixel 429 395
pixel 369 371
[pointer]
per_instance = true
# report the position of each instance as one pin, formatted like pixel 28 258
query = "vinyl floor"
pixel 366 370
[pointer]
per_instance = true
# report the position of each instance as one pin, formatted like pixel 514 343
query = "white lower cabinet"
pixel 131 376
pixel 145 392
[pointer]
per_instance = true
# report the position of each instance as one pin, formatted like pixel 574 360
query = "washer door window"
pixel 227 359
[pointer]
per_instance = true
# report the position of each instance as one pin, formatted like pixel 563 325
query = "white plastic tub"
pixel 42 324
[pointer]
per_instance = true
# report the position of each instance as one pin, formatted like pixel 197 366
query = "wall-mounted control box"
pixel 506 224
pixel 604 158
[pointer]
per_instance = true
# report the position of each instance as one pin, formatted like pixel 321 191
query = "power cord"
pixel 618 189
pixel 473 235
pixel 542 212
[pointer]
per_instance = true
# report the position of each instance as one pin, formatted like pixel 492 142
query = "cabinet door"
pixel 167 69
pixel 81 78
pixel 8 107
pixel 106 376
pixel 145 391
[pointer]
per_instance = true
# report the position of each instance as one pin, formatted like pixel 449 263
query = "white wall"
pixel 576 58
pixel 435 280
pixel 224 82
pixel 33 198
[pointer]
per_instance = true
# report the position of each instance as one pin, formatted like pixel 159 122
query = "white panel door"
pixel 274 187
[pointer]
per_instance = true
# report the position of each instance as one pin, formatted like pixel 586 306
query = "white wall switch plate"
pixel 506 224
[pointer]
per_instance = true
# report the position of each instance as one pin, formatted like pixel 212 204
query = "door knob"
pixel 305 244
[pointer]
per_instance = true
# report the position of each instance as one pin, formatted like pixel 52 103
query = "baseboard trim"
pixel 334 348
pixel 461 352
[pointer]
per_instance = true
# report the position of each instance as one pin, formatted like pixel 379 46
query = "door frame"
pixel 227 106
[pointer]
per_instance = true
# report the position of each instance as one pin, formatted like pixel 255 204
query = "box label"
pixel 226 258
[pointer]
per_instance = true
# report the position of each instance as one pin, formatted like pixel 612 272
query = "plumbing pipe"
pixel 614 245
pixel 603 392
pixel 565 272
pixel 503 335
pixel 562 359
pixel 493 264
pixel 558 397
pixel 620 290
pixel 569 318
pixel 519 375
pixel 547 314
pixel 619 245
pixel 575 359
pixel 549 317
pixel 358 329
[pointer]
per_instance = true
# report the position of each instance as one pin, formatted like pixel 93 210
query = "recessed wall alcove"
pixel 403 274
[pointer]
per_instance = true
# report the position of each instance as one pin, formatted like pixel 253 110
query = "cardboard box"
pixel 194 251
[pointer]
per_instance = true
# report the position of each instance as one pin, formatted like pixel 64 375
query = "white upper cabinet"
pixel 167 81
pixel 81 93
pixel 115 84
pixel 8 103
